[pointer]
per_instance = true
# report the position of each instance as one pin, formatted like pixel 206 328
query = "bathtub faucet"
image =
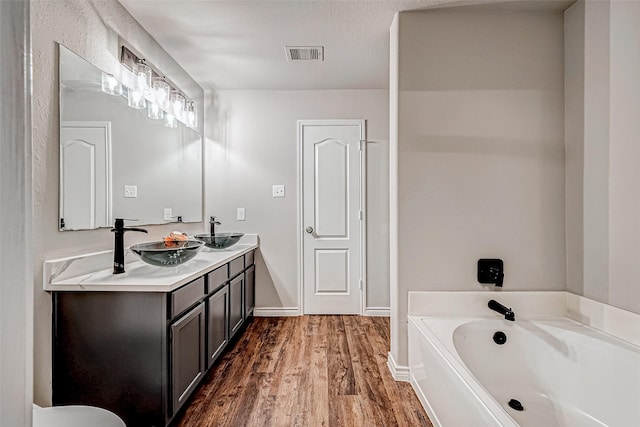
pixel 507 312
pixel 497 276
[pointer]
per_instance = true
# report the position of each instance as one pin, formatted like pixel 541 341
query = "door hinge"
pixel 360 284
pixel 362 143
pixel 360 215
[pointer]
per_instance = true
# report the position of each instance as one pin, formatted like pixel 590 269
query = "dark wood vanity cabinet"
pixel 142 354
pixel 188 362
pixel 236 293
pixel 218 323
pixel 250 290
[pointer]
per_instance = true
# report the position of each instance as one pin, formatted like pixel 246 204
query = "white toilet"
pixel 74 416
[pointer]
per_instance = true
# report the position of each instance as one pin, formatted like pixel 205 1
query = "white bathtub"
pixel 563 373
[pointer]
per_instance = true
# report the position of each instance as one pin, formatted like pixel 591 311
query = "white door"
pixel 332 167
pixel 85 175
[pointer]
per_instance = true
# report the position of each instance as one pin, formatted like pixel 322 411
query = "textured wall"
pixel 16 299
pixel 91 29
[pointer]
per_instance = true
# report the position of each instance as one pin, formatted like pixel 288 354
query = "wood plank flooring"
pixel 306 371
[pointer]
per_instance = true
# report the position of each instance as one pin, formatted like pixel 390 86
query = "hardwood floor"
pixel 306 371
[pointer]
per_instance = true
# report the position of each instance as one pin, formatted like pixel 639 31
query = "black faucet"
pixel 118 249
pixel 213 223
pixel 507 312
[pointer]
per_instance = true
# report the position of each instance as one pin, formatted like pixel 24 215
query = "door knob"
pixel 309 229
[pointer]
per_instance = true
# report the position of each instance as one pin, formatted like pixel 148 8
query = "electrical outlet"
pixel 278 190
pixel 130 191
pixel 168 214
pixel 240 214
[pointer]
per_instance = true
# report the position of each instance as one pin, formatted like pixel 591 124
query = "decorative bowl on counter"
pixel 219 240
pixel 162 254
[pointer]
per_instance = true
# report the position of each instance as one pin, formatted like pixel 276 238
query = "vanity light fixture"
pixel 161 90
pixel 154 111
pixel 140 86
pixel 191 118
pixel 159 96
pixel 170 120
pixel 147 88
pixel 111 85
pixel 177 104
pixel 142 77
pixel 135 99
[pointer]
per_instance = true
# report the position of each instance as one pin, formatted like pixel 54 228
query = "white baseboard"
pixel 377 311
pixel 276 311
pixel 399 373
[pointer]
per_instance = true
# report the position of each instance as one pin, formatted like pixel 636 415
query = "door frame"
pixel 363 206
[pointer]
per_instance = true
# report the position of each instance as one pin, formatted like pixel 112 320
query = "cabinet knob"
pixel 309 229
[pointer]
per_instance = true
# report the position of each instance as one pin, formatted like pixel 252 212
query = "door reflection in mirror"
pixel 105 146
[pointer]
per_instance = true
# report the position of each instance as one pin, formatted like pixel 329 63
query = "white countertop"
pixel 139 276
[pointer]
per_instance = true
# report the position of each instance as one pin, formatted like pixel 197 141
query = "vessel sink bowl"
pixel 219 240
pixel 163 254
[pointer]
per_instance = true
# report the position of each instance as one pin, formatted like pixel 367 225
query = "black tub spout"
pixel 507 312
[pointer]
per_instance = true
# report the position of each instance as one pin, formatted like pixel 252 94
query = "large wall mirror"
pixel 116 162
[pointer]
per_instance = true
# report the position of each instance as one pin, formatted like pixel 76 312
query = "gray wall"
pixel 16 294
pixel 252 144
pixel 480 148
pixel 602 131
pixel 91 29
pixel 164 163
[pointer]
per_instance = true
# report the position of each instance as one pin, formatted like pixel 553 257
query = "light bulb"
pixel 154 111
pixel 192 115
pixel 142 78
pixel 177 104
pixel 135 99
pixel 111 85
pixel 170 120
pixel 161 91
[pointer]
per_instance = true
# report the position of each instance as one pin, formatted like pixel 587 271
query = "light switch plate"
pixel 278 191
pixel 130 191
pixel 168 214
pixel 240 214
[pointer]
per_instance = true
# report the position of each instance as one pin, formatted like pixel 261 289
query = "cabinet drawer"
pixel 249 259
pixel 186 296
pixel 236 266
pixel 217 278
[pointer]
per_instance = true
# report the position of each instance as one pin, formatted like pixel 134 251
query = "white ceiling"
pixel 239 44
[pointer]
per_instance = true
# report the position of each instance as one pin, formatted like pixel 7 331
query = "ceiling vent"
pixel 304 53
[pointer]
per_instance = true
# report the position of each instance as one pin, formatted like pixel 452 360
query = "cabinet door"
pixel 250 290
pixel 236 301
pixel 217 323
pixel 187 354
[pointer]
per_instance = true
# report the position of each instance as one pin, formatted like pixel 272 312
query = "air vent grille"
pixel 304 53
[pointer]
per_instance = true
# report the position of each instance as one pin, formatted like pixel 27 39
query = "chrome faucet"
pixel 213 222
pixel 507 312
pixel 118 248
